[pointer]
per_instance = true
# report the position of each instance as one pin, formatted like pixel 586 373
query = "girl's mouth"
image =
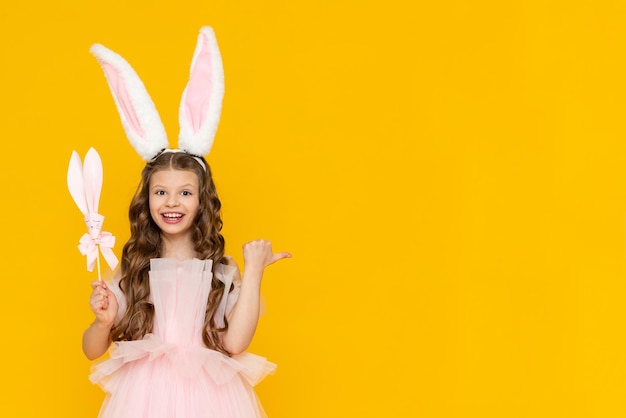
pixel 172 217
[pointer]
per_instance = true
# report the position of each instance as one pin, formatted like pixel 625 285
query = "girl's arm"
pixel 245 314
pixel 97 338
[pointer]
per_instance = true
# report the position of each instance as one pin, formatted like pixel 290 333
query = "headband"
pixel 200 106
pixel 175 150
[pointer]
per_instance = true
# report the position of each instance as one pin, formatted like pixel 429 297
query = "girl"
pixel 180 314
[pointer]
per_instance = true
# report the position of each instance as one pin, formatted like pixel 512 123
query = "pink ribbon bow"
pixel 89 246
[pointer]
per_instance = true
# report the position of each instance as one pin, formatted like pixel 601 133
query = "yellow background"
pixel 449 175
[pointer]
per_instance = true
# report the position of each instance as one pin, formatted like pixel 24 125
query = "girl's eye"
pixel 186 193
pixel 160 192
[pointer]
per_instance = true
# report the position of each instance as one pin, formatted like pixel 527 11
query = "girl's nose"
pixel 172 200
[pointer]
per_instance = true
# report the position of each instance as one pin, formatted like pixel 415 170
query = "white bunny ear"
pixel 201 104
pixel 75 182
pixel 92 176
pixel 140 118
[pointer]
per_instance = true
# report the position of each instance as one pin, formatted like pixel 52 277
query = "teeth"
pixel 173 215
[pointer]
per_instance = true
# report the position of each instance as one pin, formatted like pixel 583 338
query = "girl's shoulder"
pixel 230 261
pixel 229 269
pixel 112 278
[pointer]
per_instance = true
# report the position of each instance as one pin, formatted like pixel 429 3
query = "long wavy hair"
pixel 145 243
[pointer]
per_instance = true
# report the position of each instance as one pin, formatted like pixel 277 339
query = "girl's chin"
pixel 175 229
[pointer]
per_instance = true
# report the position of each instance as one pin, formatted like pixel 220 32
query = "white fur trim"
pixel 151 138
pixel 200 142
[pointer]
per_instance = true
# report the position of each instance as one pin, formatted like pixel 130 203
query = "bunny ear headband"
pixel 85 184
pixel 200 106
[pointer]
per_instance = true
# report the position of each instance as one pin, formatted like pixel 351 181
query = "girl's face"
pixel 174 201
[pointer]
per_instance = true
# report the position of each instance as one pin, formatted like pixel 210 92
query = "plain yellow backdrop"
pixel 450 177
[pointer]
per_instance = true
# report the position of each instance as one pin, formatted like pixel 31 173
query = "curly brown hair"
pixel 145 243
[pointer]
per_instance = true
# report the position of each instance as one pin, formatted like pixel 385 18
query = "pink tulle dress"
pixel 170 373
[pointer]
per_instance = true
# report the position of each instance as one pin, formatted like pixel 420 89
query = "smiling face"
pixel 174 201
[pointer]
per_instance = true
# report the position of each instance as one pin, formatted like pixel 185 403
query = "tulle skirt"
pixel 152 379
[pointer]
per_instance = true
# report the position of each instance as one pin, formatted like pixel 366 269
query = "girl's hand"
pixel 103 303
pixel 258 254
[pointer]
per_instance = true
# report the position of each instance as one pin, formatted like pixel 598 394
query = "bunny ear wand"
pixel 85 184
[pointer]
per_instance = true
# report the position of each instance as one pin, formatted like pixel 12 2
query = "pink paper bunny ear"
pixel 75 182
pixel 140 118
pixel 201 104
pixel 92 177
pixel 85 185
pixel 85 181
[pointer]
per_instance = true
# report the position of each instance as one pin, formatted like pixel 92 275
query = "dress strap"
pixel 224 274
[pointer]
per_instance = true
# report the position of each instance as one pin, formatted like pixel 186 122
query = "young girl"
pixel 178 311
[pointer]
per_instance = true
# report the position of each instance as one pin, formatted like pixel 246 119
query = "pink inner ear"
pixel 199 88
pixel 123 98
